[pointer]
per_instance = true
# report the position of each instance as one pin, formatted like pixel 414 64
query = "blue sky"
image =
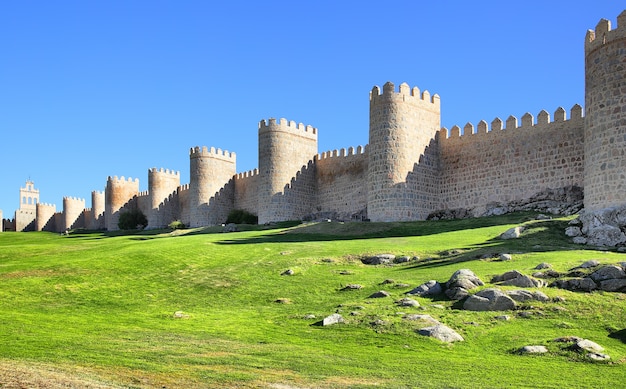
pixel 90 89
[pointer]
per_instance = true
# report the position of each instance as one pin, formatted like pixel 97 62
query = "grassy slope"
pixel 104 306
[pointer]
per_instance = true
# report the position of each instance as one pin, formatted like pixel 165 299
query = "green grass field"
pixel 197 308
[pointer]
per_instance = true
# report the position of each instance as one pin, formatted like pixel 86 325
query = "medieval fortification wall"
pixel 411 167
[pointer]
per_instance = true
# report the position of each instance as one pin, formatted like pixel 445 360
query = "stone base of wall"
pixel 604 227
pixel 560 201
pixel 337 216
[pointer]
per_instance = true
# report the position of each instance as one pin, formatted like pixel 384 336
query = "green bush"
pixel 131 220
pixel 176 225
pixel 240 216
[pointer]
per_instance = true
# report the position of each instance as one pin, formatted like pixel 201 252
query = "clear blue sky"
pixel 90 89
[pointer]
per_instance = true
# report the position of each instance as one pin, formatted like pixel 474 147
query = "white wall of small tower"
pixel 73 213
pixel 45 218
pixel 97 210
pixel 27 212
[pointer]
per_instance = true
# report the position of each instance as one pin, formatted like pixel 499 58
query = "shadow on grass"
pixel 368 230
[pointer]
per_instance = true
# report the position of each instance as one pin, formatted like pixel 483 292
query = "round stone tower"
pixel 211 172
pixel 402 127
pixel 284 149
pixel 72 212
pixel 97 209
pixel 161 184
pixel 118 193
pixel 605 119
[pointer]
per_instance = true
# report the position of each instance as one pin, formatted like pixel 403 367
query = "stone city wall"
pixel 341 180
pixel 511 163
pixel 246 191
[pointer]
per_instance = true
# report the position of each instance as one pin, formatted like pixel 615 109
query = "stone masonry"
pixel 410 169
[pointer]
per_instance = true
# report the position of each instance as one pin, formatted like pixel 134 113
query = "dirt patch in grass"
pixel 39 376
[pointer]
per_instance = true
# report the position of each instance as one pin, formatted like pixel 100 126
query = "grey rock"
pixel 503 317
pixel 352 287
pixel 287 272
pixel 608 273
pixel 512 233
pixel 379 259
pixel 533 350
pixel 457 293
pixel 605 235
pixel 543 265
pixel 464 278
pixel 442 333
pixel 526 295
pixel 489 300
pixel 576 284
pixel 573 231
pixel 335 318
pixel 588 345
pixel 379 294
pixel 407 302
pixel 506 257
pixel 387 282
pixel 402 259
pixel 598 357
pixel 614 285
pixel 426 319
pixel 515 278
pixel 309 317
pixel 428 288
pixel 588 264
pixel 547 274
pixel 579 240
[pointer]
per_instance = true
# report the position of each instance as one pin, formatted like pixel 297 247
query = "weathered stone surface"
pixel 515 278
pixel 607 273
pixel 573 231
pixel 588 345
pixel 442 333
pixel 526 295
pixel 614 285
pixel 576 284
pixel 335 318
pixel 543 265
pixel 231 227
pixel 457 293
pixel 407 302
pixel 462 279
pixel 379 259
pixel 506 257
pixel 402 259
pixel 598 357
pixel 426 319
pixel 512 233
pixel 428 288
pixel 352 287
pixel 605 235
pixel 588 264
pixel 489 300
pixel 379 294
pixel 533 350
pixel 547 274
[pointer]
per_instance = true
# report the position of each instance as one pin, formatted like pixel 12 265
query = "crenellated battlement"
pixel 405 92
pixel 121 180
pixel 73 199
pixel 184 187
pixel 249 173
pixel 287 126
pixel 604 34
pixel 47 205
pixel 143 193
pixel 351 151
pixel 224 155
pixel 162 171
pixel 527 123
